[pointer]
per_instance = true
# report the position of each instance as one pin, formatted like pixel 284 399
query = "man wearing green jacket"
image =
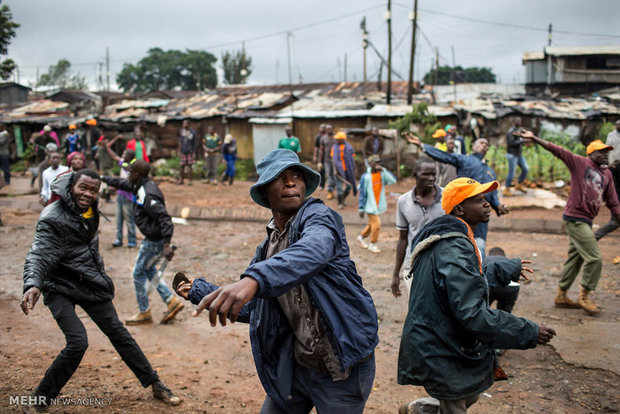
pixel 450 331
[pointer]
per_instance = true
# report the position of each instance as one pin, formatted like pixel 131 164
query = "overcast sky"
pixel 323 31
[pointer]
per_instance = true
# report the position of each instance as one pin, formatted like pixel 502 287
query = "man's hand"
pixel 183 289
pixel 320 166
pixel 502 210
pixel 396 286
pixel 168 252
pixel 525 269
pixel 361 214
pixel 525 134
pixel 545 334
pixel 30 299
pixel 42 201
pixel 228 299
pixel 412 139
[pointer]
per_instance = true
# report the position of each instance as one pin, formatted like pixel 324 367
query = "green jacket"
pixel 450 332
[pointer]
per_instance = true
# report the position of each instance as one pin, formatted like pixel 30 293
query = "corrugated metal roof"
pixel 572 51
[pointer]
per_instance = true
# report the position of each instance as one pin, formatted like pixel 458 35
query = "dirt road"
pixel 213 370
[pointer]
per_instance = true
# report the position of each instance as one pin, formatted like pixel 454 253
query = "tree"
pixel 161 70
pixel 237 67
pixel 7 32
pixel 60 75
pixel 448 74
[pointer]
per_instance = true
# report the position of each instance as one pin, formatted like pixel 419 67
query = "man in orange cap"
pixel 450 331
pixel 440 136
pixel 591 181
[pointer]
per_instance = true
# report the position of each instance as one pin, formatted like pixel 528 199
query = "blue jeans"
pixel 149 249
pixel 313 389
pixel 513 160
pixel 5 166
pixel 230 165
pixel 124 212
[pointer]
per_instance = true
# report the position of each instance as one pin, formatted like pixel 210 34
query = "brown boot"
pixel 174 306
pixel 562 300
pixel 520 187
pixel 140 318
pixel 330 195
pixel 586 303
pixel 507 192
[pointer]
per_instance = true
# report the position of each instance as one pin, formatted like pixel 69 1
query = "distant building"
pixel 13 94
pixel 568 70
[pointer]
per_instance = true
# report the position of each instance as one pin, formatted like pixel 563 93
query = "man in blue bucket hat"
pixel 313 326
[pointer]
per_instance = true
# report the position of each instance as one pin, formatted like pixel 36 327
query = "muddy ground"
pixel 212 368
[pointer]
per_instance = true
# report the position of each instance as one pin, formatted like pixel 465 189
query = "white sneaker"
pixel 373 248
pixel 362 242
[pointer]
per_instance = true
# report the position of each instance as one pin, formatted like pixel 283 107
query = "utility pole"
pixel 549 61
pixel 414 17
pixel 436 66
pixel 364 43
pixel 345 67
pixel 454 73
pixel 107 68
pixel 550 34
pixel 290 73
pixel 388 17
pixel 339 68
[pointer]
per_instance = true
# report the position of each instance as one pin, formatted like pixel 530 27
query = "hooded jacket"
pixel 64 257
pixel 450 333
pixel 367 201
pixel 318 257
pixel 150 212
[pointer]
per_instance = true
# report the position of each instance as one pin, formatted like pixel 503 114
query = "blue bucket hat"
pixel 274 163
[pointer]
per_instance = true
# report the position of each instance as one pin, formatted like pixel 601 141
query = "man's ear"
pixel 458 211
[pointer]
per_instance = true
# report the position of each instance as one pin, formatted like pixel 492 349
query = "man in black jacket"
pixel 65 266
pixel 514 155
pixel 154 222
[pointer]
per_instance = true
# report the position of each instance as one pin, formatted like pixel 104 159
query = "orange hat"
pixel 597 146
pixel 72 126
pixel 91 122
pixel 440 133
pixel 461 189
pixel 340 135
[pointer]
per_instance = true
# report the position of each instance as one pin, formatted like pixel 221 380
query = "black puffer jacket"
pixel 150 212
pixel 64 257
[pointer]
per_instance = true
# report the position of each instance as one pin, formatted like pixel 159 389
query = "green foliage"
pixel 237 67
pixel 419 115
pixel 457 74
pixel 161 70
pixel 604 130
pixel 7 32
pixel 245 169
pixel 60 75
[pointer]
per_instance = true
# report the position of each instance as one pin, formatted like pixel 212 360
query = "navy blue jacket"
pixel 318 257
pixel 471 166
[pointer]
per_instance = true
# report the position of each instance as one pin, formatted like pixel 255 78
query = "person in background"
pixel 43 164
pixel 414 210
pixel 137 145
pixel 373 145
pixel 440 136
pixel 290 142
pixel 105 163
pixel 212 148
pixel 447 172
pixel 325 159
pixel 93 133
pixel 75 161
pixel 591 183
pixel 72 140
pixel 49 135
pixel 459 141
pixel 187 150
pixel 342 154
pixel 49 175
pixel 229 153
pixel 315 154
pixel 514 155
pixel 613 140
pixel 5 165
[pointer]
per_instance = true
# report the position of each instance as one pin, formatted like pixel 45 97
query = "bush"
pixel 171 167
pixel 604 130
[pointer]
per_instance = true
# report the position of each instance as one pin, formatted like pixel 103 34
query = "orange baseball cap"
pixel 461 189
pixel 439 133
pixel 91 122
pixel 340 135
pixel 72 126
pixel 597 146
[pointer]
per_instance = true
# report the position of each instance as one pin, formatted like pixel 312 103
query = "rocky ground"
pixel 212 368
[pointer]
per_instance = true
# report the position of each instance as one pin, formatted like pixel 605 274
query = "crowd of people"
pixel 313 325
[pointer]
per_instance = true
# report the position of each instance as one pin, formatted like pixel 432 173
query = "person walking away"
pixel 449 335
pixel 514 155
pixel 342 154
pixel 613 140
pixel 72 140
pixel 49 175
pixel 290 142
pixel 447 172
pixel 137 145
pixel 64 265
pixel 373 145
pixel 315 154
pixel 313 326
pixel 229 153
pixel 372 201
pixel 474 166
pixel 414 210
pixel 325 159
pixel 212 148
pixel 124 199
pixel 591 183
pixel 187 149
pixel 154 222
pixel 5 164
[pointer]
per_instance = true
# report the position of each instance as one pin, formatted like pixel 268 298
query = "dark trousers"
pixel 506 297
pixel 612 224
pixel 67 362
pixel 5 166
